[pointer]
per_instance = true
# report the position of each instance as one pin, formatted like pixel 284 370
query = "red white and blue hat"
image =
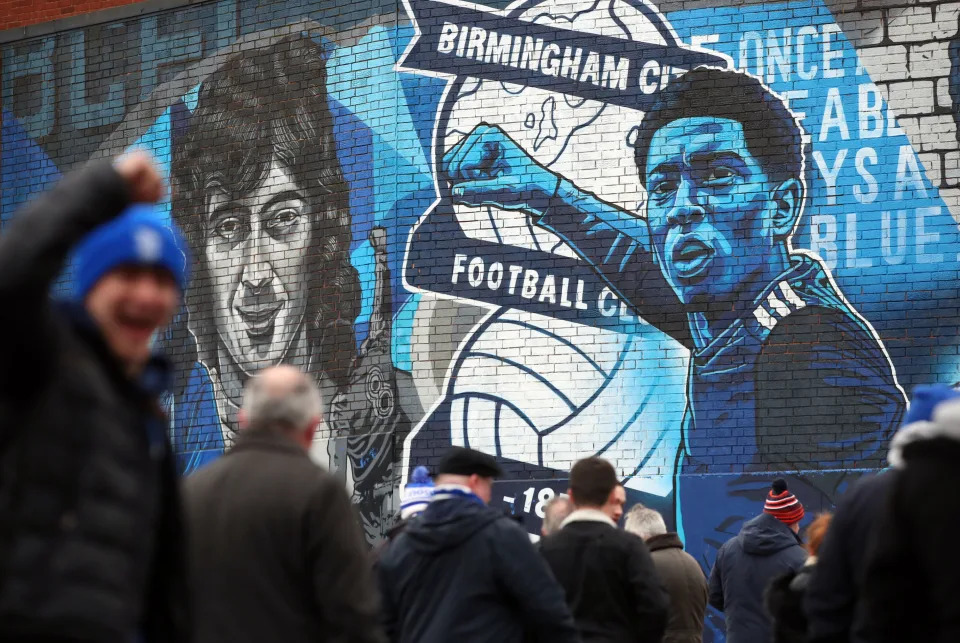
pixel 783 505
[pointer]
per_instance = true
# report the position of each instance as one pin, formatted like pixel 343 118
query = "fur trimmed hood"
pixel 944 422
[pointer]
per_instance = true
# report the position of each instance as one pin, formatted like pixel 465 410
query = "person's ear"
pixel 242 419
pixel 787 204
pixel 573 500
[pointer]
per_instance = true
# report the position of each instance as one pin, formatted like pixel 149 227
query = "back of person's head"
pixel 644 522
pixel 592 480
pixel 816 531
pixel 469 468
pixel 554 513
pixel 283 400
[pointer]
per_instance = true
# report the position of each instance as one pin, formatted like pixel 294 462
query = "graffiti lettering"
pixel 571 291
pixel 575 63
pixel 779 53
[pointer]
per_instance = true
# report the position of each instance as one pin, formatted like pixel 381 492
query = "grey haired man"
pixel 276 550
pixel 679 572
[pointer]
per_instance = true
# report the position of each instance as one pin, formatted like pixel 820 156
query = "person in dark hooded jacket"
pixel 832 602
pixel 767 546
pixel 464 572
pixel 912 577
pixel 90 530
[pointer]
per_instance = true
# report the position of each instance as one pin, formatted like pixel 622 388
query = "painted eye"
pixel 229 228
pixel 720 175
pixel 663 188
pixel 286 218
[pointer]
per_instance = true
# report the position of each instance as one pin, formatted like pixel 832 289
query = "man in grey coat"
pixel 678 571
pixel 275 546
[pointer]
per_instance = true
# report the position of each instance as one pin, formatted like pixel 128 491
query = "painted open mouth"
pixel 259 318
pixel 691 256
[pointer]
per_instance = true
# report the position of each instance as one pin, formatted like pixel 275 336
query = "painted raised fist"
pixel 489 168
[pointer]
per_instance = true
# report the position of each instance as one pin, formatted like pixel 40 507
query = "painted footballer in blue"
pixel 778 354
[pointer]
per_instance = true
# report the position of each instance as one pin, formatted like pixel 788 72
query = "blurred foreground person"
pixel 554 513
pixel 678 571
pixel 90 536
pixel 613 507
pixel 785 595
pixel 464 572
pixel 611 585
pixel 276 550
pixel 912 576
pixel 767 546
pixel 832 601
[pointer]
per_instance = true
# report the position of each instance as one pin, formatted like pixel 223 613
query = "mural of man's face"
pixel 256 253
pixel 710 209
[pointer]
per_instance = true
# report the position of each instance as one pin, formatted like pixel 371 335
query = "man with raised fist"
pixel 90 539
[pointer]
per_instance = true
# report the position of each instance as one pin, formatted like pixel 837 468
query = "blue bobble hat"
pixel 416 493
pixel 140 236
pixel 934 412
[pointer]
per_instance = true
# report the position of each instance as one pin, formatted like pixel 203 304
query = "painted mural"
pixel 707 242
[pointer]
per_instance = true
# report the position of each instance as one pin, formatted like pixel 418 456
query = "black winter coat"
pixel 611 584
pixel 462 572
pixel 90 530
pixel 911 585
pixel 832 603
pixel 784 600
pixel 276 550
pixel 764 549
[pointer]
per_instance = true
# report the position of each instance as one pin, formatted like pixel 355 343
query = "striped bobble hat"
pixel 783 505
pixel 416 493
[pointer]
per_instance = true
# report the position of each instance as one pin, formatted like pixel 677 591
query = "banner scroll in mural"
pixel 464 42
pixel 460 40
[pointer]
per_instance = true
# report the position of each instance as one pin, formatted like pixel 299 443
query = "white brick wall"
pixel 908 56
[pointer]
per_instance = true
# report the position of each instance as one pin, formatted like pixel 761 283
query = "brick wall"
pixel 21 13
pixel 738 316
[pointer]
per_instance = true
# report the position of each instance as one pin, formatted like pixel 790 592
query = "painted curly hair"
pixel 261 105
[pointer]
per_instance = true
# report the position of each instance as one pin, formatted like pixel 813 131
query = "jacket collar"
pixel 664 541
pixel 588 515
pixel 455 491
pixel 266 440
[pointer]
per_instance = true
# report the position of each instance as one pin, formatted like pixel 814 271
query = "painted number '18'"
pixel 543 497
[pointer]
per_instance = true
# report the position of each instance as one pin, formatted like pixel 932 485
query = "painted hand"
pixel 488 167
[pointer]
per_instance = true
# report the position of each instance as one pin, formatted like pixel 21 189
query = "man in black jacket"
pixel 611 584
pixel 464 572
pixel 276 548
pixel 90 538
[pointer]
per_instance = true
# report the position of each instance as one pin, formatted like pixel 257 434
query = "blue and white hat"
pixel 934 412
pixel 416 493
pixel 139 236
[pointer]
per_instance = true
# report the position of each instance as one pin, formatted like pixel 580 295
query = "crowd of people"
pixel 100 542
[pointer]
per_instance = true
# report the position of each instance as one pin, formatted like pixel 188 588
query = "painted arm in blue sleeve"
pixel 489 168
